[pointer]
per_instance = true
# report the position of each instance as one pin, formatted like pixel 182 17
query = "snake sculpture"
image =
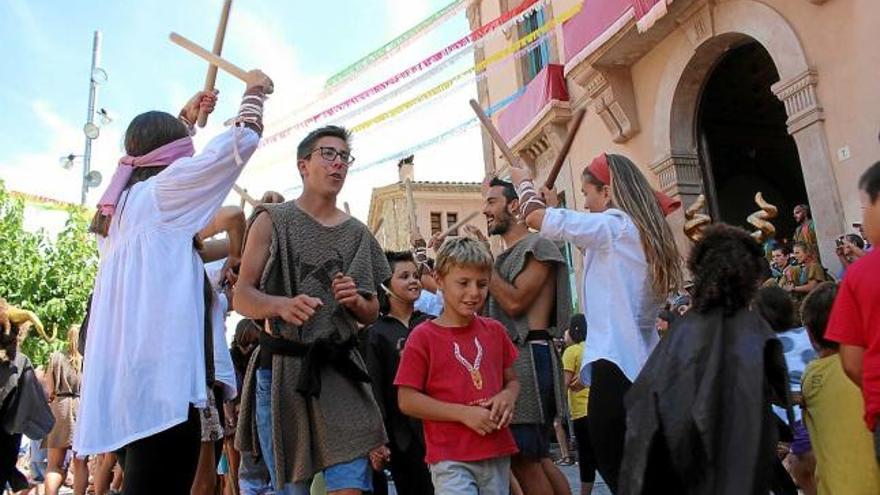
pixel 760 219
pixel 695 221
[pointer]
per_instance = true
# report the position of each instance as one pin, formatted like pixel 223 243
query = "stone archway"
pixel 712 30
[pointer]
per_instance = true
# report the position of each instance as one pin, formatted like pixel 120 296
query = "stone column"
pixel 679 175
pixel 806 124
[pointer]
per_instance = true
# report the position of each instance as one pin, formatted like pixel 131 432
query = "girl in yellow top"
pixel 578 395
pixel 843 447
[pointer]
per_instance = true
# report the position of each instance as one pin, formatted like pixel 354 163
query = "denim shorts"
pixel 356 474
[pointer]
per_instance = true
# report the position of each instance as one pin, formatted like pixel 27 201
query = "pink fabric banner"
pixel 548 85
pixel 642 7
pixel 593 20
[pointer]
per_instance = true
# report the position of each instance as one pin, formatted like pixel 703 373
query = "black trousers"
pixel 586 457
pixel 165 462
pixel 607 419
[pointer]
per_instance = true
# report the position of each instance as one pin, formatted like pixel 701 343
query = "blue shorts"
pixel 356 474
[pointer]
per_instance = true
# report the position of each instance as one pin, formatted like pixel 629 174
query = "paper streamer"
pixel 515 49
pixel 455 131
pixel 445 85
pixel 397 44
pixel 428 65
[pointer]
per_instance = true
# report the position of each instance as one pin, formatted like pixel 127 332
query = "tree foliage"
pixel 51 277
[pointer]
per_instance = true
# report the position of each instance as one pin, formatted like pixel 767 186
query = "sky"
pixel 45 47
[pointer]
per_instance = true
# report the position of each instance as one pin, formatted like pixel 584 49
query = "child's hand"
pixel 500 408
pixel 479 419
pixel 379 457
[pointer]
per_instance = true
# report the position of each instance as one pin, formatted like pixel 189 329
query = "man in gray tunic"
pixel 311 272
pixel 529 293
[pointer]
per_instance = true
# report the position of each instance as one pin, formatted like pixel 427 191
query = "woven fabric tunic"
pixel 343 422
pixel 510 264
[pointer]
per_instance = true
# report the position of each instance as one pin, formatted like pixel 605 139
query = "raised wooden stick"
pixel 566 146
pixel 244 195
pixel 459 224
pixel 496 136
pixel 411 206
pixel 346 207
pixel 198 51
pixel 211 77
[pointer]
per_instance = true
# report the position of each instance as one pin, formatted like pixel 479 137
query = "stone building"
pixel 722 97
pixel 439 205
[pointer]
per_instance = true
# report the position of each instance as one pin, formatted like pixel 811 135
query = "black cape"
pixel 698 416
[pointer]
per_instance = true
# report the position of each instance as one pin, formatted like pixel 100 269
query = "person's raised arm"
pixel 516 298
pixel 253 303
pixel 229 219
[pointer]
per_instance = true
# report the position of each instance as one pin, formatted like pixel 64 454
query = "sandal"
pixel 565 461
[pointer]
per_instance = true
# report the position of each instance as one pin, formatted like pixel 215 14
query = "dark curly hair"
pixel 726 266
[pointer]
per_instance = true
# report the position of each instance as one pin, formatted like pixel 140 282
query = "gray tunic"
pixel 343 422
pixel 509 264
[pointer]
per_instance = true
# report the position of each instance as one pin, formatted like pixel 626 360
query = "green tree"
pixel 52 278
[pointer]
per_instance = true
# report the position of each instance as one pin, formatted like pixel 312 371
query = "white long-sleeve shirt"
pixel 619 305
pixel 144 360
pixel 224 372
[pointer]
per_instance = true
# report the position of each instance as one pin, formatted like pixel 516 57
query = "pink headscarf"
pixel 159 157
pixel 599 169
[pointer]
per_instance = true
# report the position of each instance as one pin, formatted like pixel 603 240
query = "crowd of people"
pixel 749 369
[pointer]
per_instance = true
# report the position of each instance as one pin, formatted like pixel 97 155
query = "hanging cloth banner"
pixel 428 65
pixel 480 67
pixel 397 43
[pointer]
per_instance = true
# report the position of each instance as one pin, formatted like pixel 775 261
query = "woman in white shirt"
pixel 631 264
pixel 145 371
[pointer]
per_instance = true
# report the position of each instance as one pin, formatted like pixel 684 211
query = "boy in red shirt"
pixel 855 319
pixel 456 375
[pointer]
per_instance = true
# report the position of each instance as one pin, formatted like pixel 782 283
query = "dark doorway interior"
pixel 745 146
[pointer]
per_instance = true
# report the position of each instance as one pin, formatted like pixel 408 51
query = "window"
pixel 436 223
pixel 539 56
pixel 451 219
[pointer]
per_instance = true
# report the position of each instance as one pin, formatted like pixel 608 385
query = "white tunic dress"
pixel 618 302
pixel 144 361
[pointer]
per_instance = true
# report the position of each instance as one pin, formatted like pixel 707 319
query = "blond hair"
pixel 631 193
pixel 73 347
pixel 464 252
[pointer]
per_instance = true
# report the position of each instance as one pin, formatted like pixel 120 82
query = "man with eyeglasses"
pixel 311 272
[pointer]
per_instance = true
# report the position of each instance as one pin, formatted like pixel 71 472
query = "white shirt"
pixel 618 302
pixel 144 360
pixel 429 302
pixel 223 369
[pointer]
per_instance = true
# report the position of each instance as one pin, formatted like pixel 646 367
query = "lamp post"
pixel 97 76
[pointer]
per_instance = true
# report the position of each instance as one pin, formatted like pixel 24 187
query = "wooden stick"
pixel 459 224
pixel 244 195
pixel 378 226
pixel 566 146
pixel 411 206
pixel 198 51
pixel 211 77
pixel 496 136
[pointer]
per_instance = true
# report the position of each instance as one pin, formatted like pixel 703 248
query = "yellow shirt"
pixel 571 362
pixel 844 448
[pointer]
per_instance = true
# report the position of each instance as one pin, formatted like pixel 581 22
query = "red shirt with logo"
pixel 461 365
pixel 855 320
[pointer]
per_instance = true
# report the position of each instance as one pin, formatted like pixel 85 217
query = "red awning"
pixel 547 86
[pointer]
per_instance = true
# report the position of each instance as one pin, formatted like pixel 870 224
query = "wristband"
pixel 529 200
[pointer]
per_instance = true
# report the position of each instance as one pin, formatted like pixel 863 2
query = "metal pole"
pixel 93 101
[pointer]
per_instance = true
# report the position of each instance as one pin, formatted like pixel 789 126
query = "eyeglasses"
pixel 330 154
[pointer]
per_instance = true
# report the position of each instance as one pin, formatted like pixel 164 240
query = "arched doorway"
pixel 744 145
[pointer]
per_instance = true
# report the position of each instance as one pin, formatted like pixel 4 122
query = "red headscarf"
pixel 599 169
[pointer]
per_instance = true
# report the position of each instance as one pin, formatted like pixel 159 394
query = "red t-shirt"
pixel 855 320
pixel 430 365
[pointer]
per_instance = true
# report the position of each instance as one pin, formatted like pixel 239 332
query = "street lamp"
pixel 97 76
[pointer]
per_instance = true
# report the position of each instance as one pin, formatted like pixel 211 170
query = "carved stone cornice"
pixel 613 100
pixel 801 104
pixel 679 175
pixel 546 133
